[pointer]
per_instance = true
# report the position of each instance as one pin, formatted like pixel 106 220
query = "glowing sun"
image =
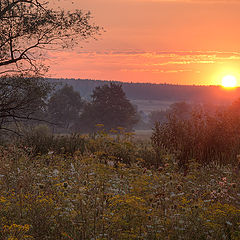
pixel 229 81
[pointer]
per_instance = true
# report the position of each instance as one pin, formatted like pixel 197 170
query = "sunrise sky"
pixel 171 41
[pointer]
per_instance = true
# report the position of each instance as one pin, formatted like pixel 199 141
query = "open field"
pixel 148 106
pixel 144 135
pixel 95 196
pixel 150 151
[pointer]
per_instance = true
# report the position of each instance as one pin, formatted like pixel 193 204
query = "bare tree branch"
pixel 14 3
pixel 29 27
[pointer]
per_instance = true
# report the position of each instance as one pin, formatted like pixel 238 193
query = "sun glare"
pixel 229 81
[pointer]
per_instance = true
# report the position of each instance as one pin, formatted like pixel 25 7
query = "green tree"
pixel 64 107
pixel 110 107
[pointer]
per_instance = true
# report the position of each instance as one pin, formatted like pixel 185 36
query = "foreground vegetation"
pixel 109 187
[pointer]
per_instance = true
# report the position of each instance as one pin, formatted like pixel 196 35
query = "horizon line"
pixel 150 83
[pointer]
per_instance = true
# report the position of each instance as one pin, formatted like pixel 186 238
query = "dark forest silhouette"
pixel 161 92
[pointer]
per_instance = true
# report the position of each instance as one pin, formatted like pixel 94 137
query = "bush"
pixel 117 146
pixel 204 137
pixel 42 141
pixel 39 138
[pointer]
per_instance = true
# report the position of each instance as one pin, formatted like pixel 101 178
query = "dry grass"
pixel 94 195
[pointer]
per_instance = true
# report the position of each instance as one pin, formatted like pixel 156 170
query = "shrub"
pixel 204 137
pixel 117 146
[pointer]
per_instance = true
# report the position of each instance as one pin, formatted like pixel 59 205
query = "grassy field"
pixel 143 135
pixel 148 106
pixel 107 188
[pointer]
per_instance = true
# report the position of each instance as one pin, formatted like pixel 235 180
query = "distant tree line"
pixel 108 106
pixel 32 100
pixel 161 92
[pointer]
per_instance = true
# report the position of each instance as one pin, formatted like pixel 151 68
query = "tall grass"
pixel 86 196
pixel 208 138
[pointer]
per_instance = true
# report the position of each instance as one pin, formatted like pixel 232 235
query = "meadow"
pixel 112 187
pixel 178 181
pixel 147 106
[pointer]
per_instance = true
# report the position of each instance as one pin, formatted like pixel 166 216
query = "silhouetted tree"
pixel 28 27
pixel 64 107
pixel 110 107
pixel 21 100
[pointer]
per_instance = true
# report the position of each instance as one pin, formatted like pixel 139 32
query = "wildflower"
pixel 221 183
pixel 110 163
pixel 65 184
pixel 228 223
pixel 55 172
pixel 224 179
pixel 99 125
pixel 113 131
pixel 179 187
pixel 3 199
pixel 160 169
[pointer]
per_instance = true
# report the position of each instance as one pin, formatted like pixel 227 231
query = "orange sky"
pixel 172 41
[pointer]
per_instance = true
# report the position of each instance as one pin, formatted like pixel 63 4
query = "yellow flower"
pixel 3 199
